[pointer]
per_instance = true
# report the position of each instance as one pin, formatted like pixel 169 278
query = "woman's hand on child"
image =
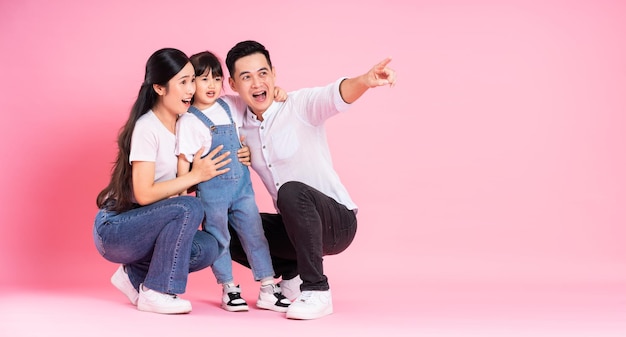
pixel 210 166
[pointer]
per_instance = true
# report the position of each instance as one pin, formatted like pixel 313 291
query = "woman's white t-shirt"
pixel 153 142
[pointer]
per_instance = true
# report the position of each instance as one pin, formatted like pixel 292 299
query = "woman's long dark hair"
pixel 160 68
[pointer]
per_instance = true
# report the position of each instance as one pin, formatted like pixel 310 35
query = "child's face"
pixel 208 90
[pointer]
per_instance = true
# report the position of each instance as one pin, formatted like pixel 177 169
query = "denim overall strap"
pixel 224 134
pixel 202 117
pixel 225 106
pixel 192 109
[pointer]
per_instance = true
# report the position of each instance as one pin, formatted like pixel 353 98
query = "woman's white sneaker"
pixel 311 304
pixel 121 281
pixel 154 301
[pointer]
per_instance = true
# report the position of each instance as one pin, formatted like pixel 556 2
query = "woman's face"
pixel 176 98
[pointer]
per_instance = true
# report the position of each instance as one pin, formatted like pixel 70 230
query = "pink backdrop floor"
pixel 485 309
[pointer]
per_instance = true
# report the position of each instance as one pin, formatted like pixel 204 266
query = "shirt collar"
pixel 271 110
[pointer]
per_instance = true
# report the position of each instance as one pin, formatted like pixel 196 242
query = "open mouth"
pixel 260 97
pixel 187 101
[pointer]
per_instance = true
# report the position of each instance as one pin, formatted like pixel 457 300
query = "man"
pixel 290 153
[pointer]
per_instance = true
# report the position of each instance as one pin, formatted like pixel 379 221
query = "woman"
pixel 142 223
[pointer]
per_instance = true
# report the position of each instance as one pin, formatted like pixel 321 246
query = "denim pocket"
pixel 235 172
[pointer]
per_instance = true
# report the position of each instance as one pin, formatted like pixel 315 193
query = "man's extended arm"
pixel 352 88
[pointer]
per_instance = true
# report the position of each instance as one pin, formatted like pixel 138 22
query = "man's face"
pixel 253 80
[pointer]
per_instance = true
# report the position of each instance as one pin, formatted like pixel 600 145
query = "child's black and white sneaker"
pixel 231 299
pixel 271 298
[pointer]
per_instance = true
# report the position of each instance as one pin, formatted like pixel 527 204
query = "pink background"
pixel 498 160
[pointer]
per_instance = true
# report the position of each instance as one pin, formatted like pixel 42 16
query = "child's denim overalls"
pixel 229 198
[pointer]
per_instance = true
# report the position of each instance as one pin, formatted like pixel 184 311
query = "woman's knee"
pixel 189 201
pixel 204 251
pixel 192 207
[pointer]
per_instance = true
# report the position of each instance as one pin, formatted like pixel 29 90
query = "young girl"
pixel 228 199
pixel 141 224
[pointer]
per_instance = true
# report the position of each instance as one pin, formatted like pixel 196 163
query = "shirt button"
pixel 276 184
pixel 270 165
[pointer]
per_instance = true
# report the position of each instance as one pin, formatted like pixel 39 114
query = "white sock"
pixel 267 281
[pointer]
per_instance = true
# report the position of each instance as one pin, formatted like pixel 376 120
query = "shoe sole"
pixel 271 306
pixel 303 315
pixel 238 308
pixel 168 311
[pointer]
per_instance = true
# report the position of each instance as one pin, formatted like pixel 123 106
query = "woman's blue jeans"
pixel 159 243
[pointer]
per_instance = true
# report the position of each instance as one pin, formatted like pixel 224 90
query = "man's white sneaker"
pixel 271 298
pixel 154 301
pixel 121 281
pixel 291 288
pixel 311 304
pixel 231 299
